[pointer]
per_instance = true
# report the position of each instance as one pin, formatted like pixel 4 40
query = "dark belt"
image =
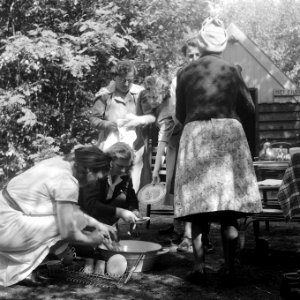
pixel 10 201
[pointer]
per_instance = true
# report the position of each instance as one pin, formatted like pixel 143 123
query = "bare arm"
pixel 72 223
pixel 126 215
pixel 158 161
pixel 180 108
pixel 135 121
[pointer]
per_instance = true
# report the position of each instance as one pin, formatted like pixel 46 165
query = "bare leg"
pixel 230 242
pixel 188 229
pixel 186 244
pixel 198 249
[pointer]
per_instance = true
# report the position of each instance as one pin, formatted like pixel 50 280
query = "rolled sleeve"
pixel 97 114
pixel 65 188
pixel 143 107
pixel 166 128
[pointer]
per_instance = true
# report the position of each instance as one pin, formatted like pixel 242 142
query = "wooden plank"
pixel 282 136
pixel 278 107
pixel 282 125
pixel 278 129
pixel 292 141
pixel 279 116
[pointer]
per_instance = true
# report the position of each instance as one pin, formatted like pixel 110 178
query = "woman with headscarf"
pixel 215 179
pixel 39 212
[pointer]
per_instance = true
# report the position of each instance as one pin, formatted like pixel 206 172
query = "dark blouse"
pixel 92 198
pixel 211 88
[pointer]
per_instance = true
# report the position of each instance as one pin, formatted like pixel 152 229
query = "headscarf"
pixel 92 158
pixel 213 36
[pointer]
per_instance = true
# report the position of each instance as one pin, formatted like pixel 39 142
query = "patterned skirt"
pixel 214 172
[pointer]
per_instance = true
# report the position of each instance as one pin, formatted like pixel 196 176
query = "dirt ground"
pixel 259 275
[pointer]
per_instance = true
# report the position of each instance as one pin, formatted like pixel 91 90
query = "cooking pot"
pixel 132 250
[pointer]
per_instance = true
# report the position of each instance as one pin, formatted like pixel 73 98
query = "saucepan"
pixel 132 251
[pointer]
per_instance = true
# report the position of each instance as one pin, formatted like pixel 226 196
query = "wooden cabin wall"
pixel 279 122
pixel 255 73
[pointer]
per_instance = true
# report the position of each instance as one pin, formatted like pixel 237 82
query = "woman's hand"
pixel 155 177
pixel 111 125
pixel 137 213
pixel 76 226
pixel 96 238
pixel 135 121
pixel 126 215
pixel 132 124
pixel 108 232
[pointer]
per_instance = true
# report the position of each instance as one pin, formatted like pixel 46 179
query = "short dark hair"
pixel 88 158
pixel 124 67
pixel 190 43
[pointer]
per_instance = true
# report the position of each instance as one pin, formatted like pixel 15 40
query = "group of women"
pixel 214 181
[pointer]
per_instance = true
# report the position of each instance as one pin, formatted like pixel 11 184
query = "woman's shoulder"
pixel 55 166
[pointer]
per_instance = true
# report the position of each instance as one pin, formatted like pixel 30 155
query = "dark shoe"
pixel 186 245
pixel 168 230
pixel 34 280
pixel 176 238
pixel 209 248
pixel 228 278
pixel 196 277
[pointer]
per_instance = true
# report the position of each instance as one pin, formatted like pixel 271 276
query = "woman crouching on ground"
pixel 38 210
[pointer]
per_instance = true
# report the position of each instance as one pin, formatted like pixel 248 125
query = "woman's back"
pixel 207 88
pixel 37 188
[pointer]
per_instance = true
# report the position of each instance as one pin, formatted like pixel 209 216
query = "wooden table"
pixel 265 170
pixel 271 165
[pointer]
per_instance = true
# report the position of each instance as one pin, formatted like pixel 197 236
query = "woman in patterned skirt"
pixel 215 179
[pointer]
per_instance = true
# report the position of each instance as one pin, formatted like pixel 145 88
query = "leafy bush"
pixel 55 55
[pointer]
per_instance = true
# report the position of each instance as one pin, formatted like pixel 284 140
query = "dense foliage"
pixel 55 55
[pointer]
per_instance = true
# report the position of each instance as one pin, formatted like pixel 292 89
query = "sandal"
pixel 186 245
pixel 196 277
pixel 228 277
pixel 209 248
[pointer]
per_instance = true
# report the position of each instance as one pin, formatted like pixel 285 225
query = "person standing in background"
pixel 155 100
pixel 191 52
pixel 114 114
pixel 215 178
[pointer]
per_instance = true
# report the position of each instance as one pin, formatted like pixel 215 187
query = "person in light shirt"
pixel 39 212
pixel 114 114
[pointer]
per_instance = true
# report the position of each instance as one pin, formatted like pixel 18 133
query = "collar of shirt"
pixel 111 186
pixel 110 89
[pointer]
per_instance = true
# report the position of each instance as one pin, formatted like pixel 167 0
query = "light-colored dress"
pixel 26 237
pixel 214 170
